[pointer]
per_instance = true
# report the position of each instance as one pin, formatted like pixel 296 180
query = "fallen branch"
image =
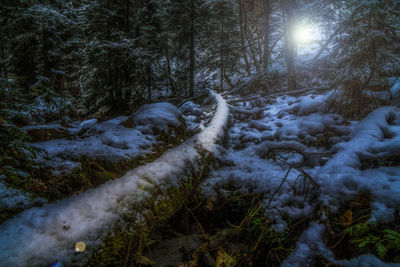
pixel 269 202
pixel 192 98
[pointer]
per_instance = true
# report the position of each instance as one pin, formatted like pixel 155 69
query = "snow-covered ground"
pixel 296 137
pixel 295 134
pixel 120 138
pixel 47 234
pixel 11 198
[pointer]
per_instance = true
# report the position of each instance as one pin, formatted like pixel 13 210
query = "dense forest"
pixel 282 117
pixel 113 56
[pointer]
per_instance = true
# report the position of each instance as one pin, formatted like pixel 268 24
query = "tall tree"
pixel 289 23
pixel 266 50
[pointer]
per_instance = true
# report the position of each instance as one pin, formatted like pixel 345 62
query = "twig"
pixel 197 221
pixel 338 242
pixel 269 202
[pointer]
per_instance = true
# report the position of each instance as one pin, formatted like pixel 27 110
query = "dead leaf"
pixel 224 259
pixel 347 218
pixel 210 205
pixel 140 259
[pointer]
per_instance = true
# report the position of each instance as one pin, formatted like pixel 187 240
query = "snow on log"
pixel 42 235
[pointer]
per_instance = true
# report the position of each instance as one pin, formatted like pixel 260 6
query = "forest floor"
pixel 291 183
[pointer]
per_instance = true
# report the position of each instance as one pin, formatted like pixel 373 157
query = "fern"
pixel 358 229
pixel 381 243
pixel 381 250
pixel 392 239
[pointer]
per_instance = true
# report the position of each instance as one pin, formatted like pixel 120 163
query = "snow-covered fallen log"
pixel 47 234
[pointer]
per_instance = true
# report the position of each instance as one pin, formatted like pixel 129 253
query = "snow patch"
pixel 309 245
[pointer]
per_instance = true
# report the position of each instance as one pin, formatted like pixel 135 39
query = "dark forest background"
pixel 71 60
pixel 115 55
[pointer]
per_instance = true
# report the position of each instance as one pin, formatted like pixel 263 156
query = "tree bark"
pixel 242 40
pixel 222 58
pixel 127 15
pixel 169 74
pixel 3 57
pixel 249 39
pixel 288 11
pixel 267 15
pixel 149 81
pixel 192 56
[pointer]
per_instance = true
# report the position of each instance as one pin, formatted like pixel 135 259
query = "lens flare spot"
pixel 80 246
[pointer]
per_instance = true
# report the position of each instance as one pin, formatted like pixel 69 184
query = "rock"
pixel 156 118
pixel 191 109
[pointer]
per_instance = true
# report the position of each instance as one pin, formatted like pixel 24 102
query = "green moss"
pixel 167 205
pixel 124 247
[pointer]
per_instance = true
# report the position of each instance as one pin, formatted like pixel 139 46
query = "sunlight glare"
pixel 305 34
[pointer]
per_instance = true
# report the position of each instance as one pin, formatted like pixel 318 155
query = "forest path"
pixel 42 235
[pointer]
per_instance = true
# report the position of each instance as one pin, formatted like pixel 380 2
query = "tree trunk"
pixel 186 74
pixel 3 57
pixel 267 15
pixel 127 15
pixel 228 81
pixel 222 58
pixel 259 45
pixel 118 86
pixel 127 92
pixel 192 56
pixel 149 81
pixel 288 11
pixel 249 38
pixel 45 71
pixel 169 74
pixel 242 40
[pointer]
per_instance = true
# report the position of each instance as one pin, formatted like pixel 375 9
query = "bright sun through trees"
pixel 306 34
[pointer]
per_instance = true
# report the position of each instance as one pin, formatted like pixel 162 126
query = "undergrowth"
pixel 234 228
pixel 21 170
pixel 350 232
pixel 128 243
pixel 354 103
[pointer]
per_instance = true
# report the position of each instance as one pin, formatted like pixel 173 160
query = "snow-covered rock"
pixel 156 118
pixel 395 90
pixel 194 116
pixel 191 108
pixel 107 140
